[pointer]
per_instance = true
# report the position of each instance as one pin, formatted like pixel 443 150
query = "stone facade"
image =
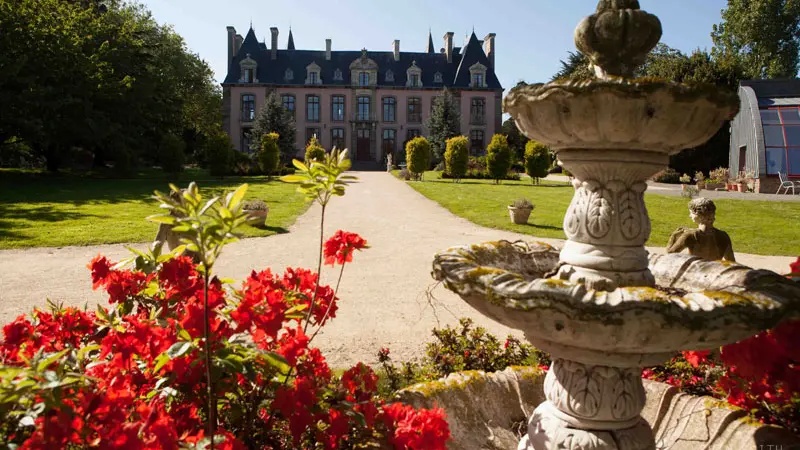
pixel 369 102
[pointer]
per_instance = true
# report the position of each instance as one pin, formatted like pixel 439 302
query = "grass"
pixel 757 227
pixel 43 210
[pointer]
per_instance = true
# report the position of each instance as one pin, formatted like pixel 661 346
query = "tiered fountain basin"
pixel 695 304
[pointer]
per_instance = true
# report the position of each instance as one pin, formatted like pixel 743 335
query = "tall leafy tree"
pixel 516 140
pixel 274 118
pixel 575 67
pixel 443 124
pixel 762 35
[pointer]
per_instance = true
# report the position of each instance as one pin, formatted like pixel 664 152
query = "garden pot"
pixel 741 187
pixel 701 185
pixel 519 215
pixel 257 216
pixel 714 186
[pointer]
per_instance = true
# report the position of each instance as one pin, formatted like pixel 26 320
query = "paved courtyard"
pixel 383 293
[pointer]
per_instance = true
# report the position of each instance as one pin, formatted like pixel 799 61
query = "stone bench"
pixel 490 411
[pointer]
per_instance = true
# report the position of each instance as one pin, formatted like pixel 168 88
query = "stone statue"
pixel 705 241
pixel 165 235
pixel 388 162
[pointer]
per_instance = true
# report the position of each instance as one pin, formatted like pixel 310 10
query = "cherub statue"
pixel 705 241
pixel 388 162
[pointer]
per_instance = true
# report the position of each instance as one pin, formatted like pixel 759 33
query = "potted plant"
pixel 520 211
pixel 700 180
pixel 741 182
pixel 718 178
pixel 256 211
pixel 685 179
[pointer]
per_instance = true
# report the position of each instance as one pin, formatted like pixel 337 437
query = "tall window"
pixel 337 138
pixel 337 108
pixel 288 103
pixel 363 78
pixel 312 132
pixel 389 109
pixel 782 139
pixel 312 108
pixel 411 133
pixel 245 140
pixel 476 142
pixel 248 107
pixel 388 142
pixel 477 80
pixel 477 111
pixel 414 110
pixel 414 80
pixel 363 108
pixel 249 75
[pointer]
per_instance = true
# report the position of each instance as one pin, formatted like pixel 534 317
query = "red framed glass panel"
pixel 782 139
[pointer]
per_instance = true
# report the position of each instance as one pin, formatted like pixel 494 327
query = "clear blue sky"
pixel 532 35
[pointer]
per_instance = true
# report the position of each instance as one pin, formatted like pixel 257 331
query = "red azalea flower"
pixel 416 429
pixel 339 248
pixel 795 266
pixel 695 358
pixel 101 268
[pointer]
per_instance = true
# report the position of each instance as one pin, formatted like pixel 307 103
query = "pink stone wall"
pixel 401 125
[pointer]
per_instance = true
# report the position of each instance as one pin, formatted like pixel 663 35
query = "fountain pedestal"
pixel 589 407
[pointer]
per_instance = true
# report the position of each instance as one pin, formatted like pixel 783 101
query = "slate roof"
pixel 774 88
pixel 454 75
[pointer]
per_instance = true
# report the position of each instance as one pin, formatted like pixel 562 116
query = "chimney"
pixel 327 49
pixel 237 43
pixel 274 47
pixel 396 49
pixel 488 48
pixel 231 43
pixel 448 45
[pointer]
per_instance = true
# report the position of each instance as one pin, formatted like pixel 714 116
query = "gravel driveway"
pixel 383 301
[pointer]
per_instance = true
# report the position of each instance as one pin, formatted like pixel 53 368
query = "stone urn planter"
pixel 520 211
pixel 257 211
pixel 602 306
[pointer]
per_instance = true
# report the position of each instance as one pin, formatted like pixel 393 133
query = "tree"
pixel 219 154
pixel 171 154
pixel 456 157
pixel 537 160
pixel 443 124
pixel 314 151
pixel 274 118
pixel 762 35
pixel 498 158
pixel 269 154
pixel 516 140
pixel 418 156
pixel 576 67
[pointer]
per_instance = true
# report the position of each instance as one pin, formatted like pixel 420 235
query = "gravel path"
pixel 383 301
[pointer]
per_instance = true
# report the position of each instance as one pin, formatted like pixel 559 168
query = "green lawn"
pixel 42 210
pixel 758 227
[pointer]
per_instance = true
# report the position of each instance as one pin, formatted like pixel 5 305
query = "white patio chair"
pixel 786 184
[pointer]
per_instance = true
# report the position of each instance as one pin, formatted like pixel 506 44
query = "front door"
pixel 742 158
pixel 362 145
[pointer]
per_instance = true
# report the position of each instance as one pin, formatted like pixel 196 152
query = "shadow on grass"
pixel 37 214
pixel 542 227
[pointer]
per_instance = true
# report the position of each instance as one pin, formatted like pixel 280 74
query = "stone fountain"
pixel 602 307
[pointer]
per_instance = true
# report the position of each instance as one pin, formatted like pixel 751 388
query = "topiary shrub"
pixel 220 154
pixel 418 155
pixel 456 157
pixel 668 175
pixel 171 154
pixel 498 157
pixel 269 155
pixel 314 151
pixel 537 160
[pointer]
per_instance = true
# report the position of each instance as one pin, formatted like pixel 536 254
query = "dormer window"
pixel 437 77
pixel 313 74
pixel 414 76
pixel 337 75
pixel 288 75
pixel 477 76
pixel 363 78
pixel 389 76
pixel 248 68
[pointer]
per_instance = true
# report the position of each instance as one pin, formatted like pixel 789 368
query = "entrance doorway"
pixel 742 158
pixel 362 145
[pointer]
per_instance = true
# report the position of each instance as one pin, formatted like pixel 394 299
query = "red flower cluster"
pixel 140 379
pixel 339 249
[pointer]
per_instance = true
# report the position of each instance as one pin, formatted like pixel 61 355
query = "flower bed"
pixel 183 359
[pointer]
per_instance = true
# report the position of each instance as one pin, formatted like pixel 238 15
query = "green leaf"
pixel 208 204
pixel 237 197
pixel 83 351
pixel 275 360
pixel 179 349
pixel 45 363
pixel 162 218
pixel 293 179
pixel 299 165
pixel 160 361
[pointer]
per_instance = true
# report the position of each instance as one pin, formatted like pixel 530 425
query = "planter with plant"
pixel 700 180
pixel 520 211
pixel 685 179
pixel 717 178
pixel 256 211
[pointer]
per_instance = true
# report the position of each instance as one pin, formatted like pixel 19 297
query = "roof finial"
pixel 251 23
